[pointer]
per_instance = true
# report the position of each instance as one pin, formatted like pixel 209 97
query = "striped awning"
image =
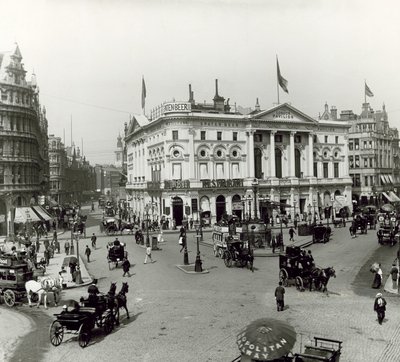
pixel 25 214
pixel 383 180
pixel 391 179
pixel 388 197
pixel 41 213
pixel 394 196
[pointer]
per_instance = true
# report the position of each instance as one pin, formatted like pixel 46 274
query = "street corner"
pixel 191 269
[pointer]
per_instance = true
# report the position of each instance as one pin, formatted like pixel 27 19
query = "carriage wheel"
pixel 56 333
pixel 9 298
pixel 221 253
pixel 227 259
pixel 299 283
pixel 284 276
pixel 108 324
pixel 83 336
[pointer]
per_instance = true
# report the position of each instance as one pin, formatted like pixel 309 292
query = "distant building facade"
pixel 24 165
pixel 374 158
pixel 194 158
pixel 58 170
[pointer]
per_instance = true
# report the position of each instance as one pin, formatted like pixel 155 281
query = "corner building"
pixel 191 158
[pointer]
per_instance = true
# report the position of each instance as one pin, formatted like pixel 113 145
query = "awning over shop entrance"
pixel 394 196
pixel 41 213
pixel 383 180
pixel 391 179
pixel 25 214
pixel 388 197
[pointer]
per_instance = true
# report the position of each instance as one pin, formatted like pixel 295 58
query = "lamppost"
pixel 255 187
pixel 72 250
pixel 309 214
pixel 294 212
pixel 199 211
pixel 315 216
pixel 197 266
pixel 78 278
pixel 149 206
pixel 247 198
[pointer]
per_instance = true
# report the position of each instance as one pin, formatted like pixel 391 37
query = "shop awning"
pixel 388 197
pixel 383 180
pixel 25 214
pixel 391 179
pixel 41 213
pixel 394 196
pixel 386 179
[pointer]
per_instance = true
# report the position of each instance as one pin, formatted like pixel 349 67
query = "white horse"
pixel 41 288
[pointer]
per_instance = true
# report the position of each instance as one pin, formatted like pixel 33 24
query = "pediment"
pixel 284 113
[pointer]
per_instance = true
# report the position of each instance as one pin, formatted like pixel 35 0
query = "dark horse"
pixel 321 277
pixel 121 300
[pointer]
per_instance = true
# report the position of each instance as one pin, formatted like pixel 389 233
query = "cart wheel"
pixel 299 283
pixel 108 324
pixel 228 259
pixel 284 276
pixel 56 333
pixel 221 253
pixel 83 336
pixel 9 298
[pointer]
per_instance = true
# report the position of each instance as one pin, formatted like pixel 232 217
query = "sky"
pixel 89 57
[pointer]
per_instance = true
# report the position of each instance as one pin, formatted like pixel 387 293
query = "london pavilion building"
pixel 192 158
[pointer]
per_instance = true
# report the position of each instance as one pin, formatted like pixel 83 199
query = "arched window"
pixel 297 163
pixel 257 163
pixel 278 162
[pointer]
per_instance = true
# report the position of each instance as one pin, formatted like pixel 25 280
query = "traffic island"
pixel 190 269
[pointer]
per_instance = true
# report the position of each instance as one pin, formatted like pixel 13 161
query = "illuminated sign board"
pixel 208 184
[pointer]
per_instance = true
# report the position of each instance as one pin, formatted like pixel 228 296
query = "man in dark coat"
pixel 93 291
pixel 125 267
pixel 380 307
pixel 279 296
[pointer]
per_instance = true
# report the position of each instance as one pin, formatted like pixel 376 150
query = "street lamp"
pixel 78 278
pixel 197 266
pixel 247 198
pixel 255 186
pixel 294 212
pixel 309 214
pixel 315 216
pixel 149 206
pixel 199 212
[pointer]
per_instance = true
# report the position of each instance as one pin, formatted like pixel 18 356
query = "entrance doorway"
pixel 177 210
pixel 237 206
pixel 220 207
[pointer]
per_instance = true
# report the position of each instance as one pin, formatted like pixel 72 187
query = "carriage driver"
pixel 93 291
pixel 117 242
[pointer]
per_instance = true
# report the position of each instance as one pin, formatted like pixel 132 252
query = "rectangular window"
pixel 204 171
pixel 351 162
pixel 257 137
pixel 336 169
pixel 326 139
pixel 370 144
pixel 1 147
pixel 365 162
pixel 278 138
pixel 219 136
pixel 235 170
pixel 315 139
pixel 356 144
pixel 203 135
pixel 357 180
pixel 234 136
pixel 220 170
pixel 336 139
pixel 176 171
pixel 372 180
pixel 351 145
pixel 175 135
pixel 325 166
pixel 357 161
pixel 315 169
pixel 297 139
pixel 366 180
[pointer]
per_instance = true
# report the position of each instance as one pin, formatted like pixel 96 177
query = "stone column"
pixel 291 157
pixel 192 133
pixel 250 161
pixel 272 153
pixel 310 155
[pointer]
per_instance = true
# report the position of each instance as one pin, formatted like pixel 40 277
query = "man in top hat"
pixel 380 307
pixel 93 291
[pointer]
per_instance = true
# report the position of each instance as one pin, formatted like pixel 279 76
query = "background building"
pixel 191 158
pixel 24 166
pixel 58 165
pixel 373 157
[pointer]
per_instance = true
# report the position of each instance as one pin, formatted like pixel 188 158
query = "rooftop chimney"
pixel 257 106
pixel 334 112
pixel 216 87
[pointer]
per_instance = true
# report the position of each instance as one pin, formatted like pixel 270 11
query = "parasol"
pixel 266 339
pixel 387 208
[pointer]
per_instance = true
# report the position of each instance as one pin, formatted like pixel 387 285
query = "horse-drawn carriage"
pixel 14 273
pixel 324 349
pixel 298 267
pixel 321 234
pixel 359 223
pixel 116 253
pixel 109 226
pixel 237 253
pixel 81 320
pixel 387 235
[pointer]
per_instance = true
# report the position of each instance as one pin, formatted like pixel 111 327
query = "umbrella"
pixel 266 339
pixel 70 259
pixel 387 208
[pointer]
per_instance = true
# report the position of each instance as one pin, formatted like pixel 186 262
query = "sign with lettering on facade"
pixel 176 184
pixel 176 107
pixel 282 114
pixel 5 261
pixel 236 182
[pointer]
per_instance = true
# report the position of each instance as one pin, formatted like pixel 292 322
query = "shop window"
pixel 336 169
pixel 203 135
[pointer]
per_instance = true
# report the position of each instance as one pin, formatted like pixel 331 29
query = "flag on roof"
pixel 143 93
pixel 282 81
pixel 368 91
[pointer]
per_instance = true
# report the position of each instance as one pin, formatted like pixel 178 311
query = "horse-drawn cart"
pixel 14 273
pixel 236 253
pixel 321 234
pixel 81 320
pixel 116 253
